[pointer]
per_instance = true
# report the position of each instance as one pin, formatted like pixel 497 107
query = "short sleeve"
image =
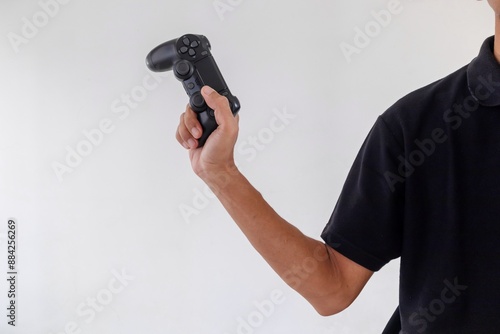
pixel 367 222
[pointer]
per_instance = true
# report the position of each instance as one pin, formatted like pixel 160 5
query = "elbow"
pixel 330 306
pixel 328 311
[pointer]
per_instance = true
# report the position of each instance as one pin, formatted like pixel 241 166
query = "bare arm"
pixel 328 280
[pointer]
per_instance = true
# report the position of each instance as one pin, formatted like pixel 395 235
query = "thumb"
pixel 220 105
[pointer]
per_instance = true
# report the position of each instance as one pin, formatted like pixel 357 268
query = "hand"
pixel 217 154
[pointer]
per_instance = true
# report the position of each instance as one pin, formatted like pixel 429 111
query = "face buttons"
pixel 189 47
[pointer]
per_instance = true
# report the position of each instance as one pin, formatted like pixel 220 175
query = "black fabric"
pixel 394 324
pixel 425 187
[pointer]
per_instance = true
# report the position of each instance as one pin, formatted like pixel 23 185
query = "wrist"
pixel 220 178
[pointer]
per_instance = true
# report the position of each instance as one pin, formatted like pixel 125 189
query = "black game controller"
pixel 190 58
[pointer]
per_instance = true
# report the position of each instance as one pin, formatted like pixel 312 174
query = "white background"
pixel 120 208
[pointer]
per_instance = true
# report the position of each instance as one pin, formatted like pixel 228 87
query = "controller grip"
pixel 163 57
pixel 208 125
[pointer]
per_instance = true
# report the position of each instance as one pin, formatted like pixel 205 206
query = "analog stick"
pixel 197 102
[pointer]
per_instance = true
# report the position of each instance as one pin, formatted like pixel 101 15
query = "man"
pixel 425 187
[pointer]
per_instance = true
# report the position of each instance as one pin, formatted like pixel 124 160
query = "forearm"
pixel 303 263
pixel 327 279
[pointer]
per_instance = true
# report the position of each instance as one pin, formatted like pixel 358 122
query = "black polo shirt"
pixel 425 187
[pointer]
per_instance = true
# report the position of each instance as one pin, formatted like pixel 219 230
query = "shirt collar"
pixel 483 76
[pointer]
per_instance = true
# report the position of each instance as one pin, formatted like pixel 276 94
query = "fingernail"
pixel 195 132
pixel 192 143
pixel 208 90
pixel 186 146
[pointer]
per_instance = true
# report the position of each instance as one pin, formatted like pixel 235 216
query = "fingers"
pixel 223 115
pixel 189 129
